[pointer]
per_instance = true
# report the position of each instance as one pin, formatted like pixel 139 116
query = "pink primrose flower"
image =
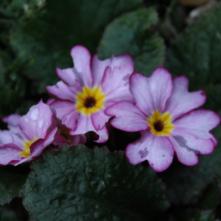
pixel 88 89
pixel 165 113
pixel 27 136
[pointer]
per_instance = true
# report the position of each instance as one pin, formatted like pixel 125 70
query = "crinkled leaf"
pixel 188 185
pixel 84 184
pixel 43 37
pixel 196 53
pixel 11 182
pixel 133 33
pixel 16 8
pixel 12 86
pixel 206 215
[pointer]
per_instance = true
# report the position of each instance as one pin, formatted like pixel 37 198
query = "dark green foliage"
pixel 12 86
pixel 133 33
pixel 10 183
pixel 185 185
pixel 194 215
pixel 196 53
pixel 7 215
pixel 48 29
pixel 92 185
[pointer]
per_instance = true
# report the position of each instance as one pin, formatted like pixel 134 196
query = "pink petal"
pixel 37 121
pixel 8 154
pixel 117 74
pixel 115 81
pixel 6 137
pixel 82 63
pixel 38 147
pixel 103 135
pixel 84 125
pixel 139 90
pixel 127 117
pixel 185 155
pixel 193 143
pixel 66 113
pixel 121 94
pixel 151 94
pixel 10 137
pixel 67 75
pixel 62 91
pixel 198 123
pixel 99 120
pixel 98 69
pixel 12 120
pixel 157 151
pixel 182 101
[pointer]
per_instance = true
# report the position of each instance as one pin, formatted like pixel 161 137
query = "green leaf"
pixel 7 215
pixel 193 214
pixel 12 86
pixel 11 182
pixel 196 53
pixel 17 8
pixel 132 33
pixel 43 36
pixel 189 185
pixel 84 184
pixel 206 215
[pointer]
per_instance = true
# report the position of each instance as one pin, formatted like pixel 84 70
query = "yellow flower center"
pixel 26 152
pixel 160 124
pixel 90 100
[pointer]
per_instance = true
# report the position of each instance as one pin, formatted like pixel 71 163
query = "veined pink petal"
pixel 151 94
pixel 82 64
pixel 121 94
pixel 6 137
pixel 37 121
pixel 140 92
pixel 117 74
pixel 188 141
pixel 9 153
pixel 157 151
pixel 99 120
pixel 10 137
pixel 98 69
pixel 67 75
pixel 38 147
pixel 198 123
pixel 84 125
pixel 127 117
pixel 61 91
pixel 185 155
pixel 66 113
pixel 182 101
